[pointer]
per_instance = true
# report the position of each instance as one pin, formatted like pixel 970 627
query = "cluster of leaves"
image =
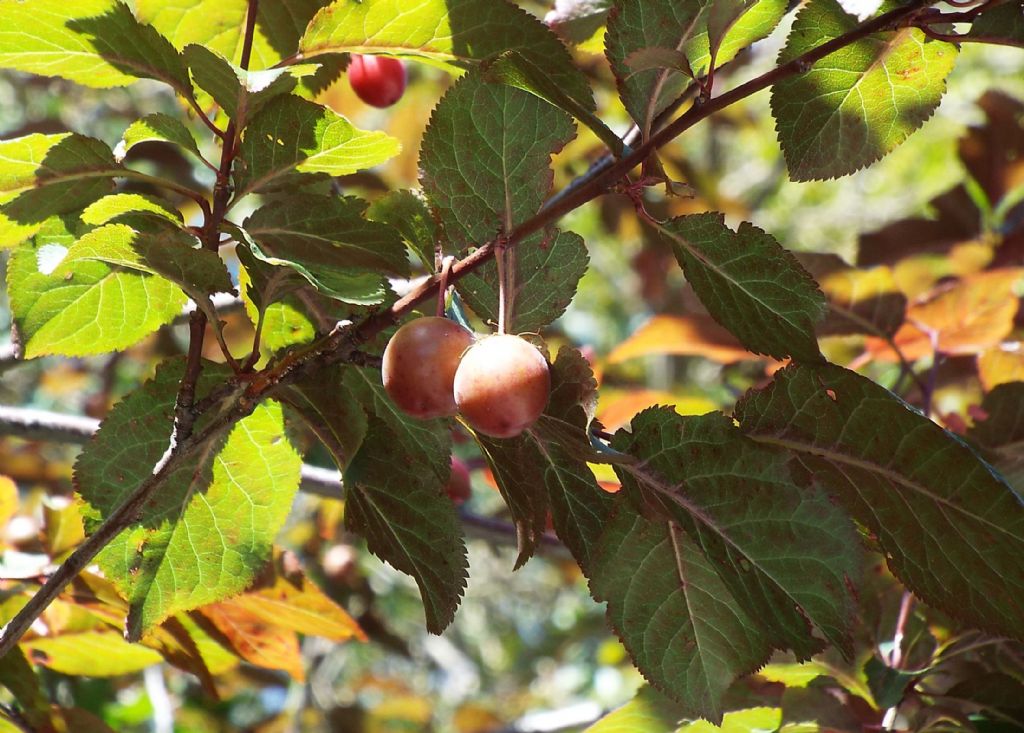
pixel 728 538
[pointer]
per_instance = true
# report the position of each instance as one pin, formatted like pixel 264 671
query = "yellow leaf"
pixel 619 407
pixel 1001 364
pixel 693 335
pixel 101 653
pixel 8 500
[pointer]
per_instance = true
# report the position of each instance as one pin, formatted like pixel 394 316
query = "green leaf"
pixel 45 175
pixel 98 43
pixel 750 284
pixel 64 305
pixel 117 205
pixel 687 633
pixel 18 677
pixel 236 89
pixel 486 167
pixel 888 685
pixel 787 554
pixel 334 414
pixel 859 102
pixel 209 530
pixel 1002 24
pixel 172 254
pixel 291 136
pixel 514 69
pixel 1001 432
pixel 643 31
pixel 218 25
pixel 950 528
pixel 407 212
pixel 328 241
pixel 157 127
pixel 446 32
pixel 91 653
pixel 648 712
pixel 394 498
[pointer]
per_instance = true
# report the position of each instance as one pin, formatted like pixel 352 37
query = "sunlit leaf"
pixel 252 638
pixel 1001 364
pixel 118 205
pixel 681 336
pixel 859 102
pixel 92 653
pixel 157 128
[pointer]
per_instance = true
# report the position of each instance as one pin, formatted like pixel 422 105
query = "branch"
pixel 340 345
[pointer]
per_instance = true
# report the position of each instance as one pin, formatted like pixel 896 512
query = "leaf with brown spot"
pixel 252 638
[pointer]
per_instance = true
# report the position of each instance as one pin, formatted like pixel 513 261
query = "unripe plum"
pixel 377 80
pixel 459 487
pixel 419 366
pixel 502 385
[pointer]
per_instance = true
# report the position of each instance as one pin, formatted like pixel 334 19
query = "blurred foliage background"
pixel 527 646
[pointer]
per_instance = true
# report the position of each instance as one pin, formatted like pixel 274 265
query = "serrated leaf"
pixel 951 529
pixel 784 551
pixel 749 284
pixel 252 638
pixel 965 317
pixel 159 128
pixel 238 90
pixel 447 32
pixel 515 69
pixel 408 213
pixel 327 240
pixel 210 528
pixel 394 498
pixel 860 301
pixel 335 415
pixel 650 33
pixel 73 307
pixel 999 430
pixel 117 205
pixel 218 25
pixel 1002 24
pixel 687 634
pixel 45 175
pixel 98 43
pixel 858 103
pixel 291 137
pixel 547 268
pixel 172 254
pixel 648 712
pixel 92 653
pixel 480 190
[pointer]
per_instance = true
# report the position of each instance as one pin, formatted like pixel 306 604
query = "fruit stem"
pixel 442 284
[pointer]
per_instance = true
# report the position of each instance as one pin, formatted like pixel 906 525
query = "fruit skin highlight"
pixel 502 386
pixel 419 366
pixel 377 80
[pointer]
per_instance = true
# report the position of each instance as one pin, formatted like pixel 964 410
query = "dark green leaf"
pixel 786 553
pixel 407 212
pixel 888 685
pixel 1000 432
pixel 291 136
pixel 394 497
pixel 951 529
pixel 333 414
pixel 749 284
pixel 1002 24
pixel 686 632
pixel 209 530
pixel 859 102
pixel 157 127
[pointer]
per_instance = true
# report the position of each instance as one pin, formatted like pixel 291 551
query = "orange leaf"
pixel 618 408
pixel 1001 364
pixel 692 335
pixel 966 317
pixel 253 639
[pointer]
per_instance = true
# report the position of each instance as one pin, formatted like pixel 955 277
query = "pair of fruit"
pixel 433 367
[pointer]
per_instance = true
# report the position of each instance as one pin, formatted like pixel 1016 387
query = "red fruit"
pixel 377 80
pixel 420 363
pixel 459 487
pixel 502 386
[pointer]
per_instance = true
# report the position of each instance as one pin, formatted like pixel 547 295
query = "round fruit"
pixel 459 487
pixel 502 386
pixel 377 80
pixel 420 363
